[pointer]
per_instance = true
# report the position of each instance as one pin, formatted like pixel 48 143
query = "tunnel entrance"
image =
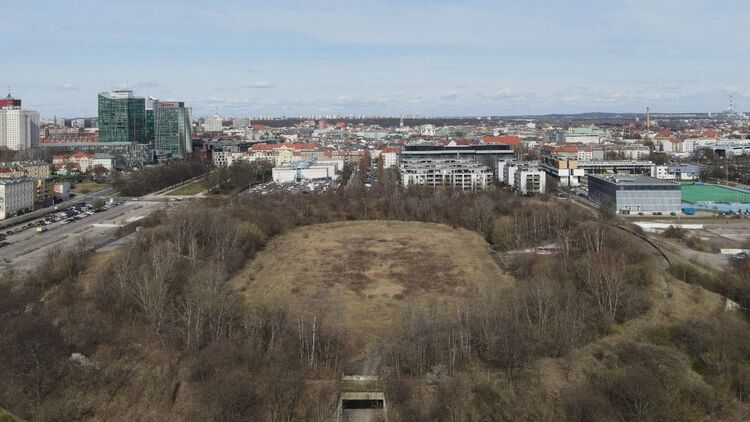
pixel 362 404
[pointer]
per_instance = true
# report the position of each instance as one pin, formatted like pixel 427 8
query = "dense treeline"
pixel 152 179
pixel 238 176
pixel 162 335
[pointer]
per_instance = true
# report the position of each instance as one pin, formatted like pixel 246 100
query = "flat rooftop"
pixel 633 180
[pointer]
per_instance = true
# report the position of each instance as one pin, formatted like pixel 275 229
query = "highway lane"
pixel 29 248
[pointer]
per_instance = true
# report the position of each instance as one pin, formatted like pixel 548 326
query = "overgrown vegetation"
pixel 164 337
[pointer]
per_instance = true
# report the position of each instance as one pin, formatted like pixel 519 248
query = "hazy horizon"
pixel 438 58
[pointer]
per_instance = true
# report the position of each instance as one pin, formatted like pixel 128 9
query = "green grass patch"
pixel 88 187
pixel 6 417
pixel 189 189
pixel 713 193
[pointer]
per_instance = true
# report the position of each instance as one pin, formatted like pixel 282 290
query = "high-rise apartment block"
pixel 19 129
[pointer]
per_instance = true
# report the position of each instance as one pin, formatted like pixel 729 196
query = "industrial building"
pixel 310 169
pixel 635 193
pixel 16 195
pixel 460 173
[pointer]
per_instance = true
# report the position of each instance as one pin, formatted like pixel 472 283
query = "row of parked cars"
pixel 65 216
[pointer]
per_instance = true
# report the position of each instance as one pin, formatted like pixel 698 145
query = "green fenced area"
pixel 713 193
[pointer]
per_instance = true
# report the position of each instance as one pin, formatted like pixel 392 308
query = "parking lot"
pixel 27 244
pixel 291 187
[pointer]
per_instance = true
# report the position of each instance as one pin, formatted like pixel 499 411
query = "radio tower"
pixel 731 103
pixel 648 118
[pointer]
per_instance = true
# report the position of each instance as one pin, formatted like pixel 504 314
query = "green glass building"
pixel 122 117
pixel 173 135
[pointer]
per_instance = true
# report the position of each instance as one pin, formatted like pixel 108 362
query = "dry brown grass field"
pixel 368 271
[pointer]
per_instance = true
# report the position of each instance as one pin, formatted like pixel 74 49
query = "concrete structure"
pixel 19 129
pixel 16 195
pixel 629 194
pixel 459 173
pixel 122 117
pixel 173 134
pixel 310 169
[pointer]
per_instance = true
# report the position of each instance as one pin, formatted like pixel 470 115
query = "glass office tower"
pixel 173 135
pixel 122 117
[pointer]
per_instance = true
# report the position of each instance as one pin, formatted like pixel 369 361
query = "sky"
pixel 381 57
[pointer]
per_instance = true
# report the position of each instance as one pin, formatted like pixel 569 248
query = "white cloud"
pixel 259 85
pixel 67 86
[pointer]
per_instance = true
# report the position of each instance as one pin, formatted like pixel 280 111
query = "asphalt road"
pixel 29 248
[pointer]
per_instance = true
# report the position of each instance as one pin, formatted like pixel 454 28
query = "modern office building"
pixel 122 117
pixel 19 129
pixel 636 193
pixel 149 131
pixel 487 155
pixel 459 173
pixel 16 196
pixel 173 136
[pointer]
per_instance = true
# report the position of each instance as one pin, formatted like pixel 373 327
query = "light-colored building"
pixel 678 172
pixel 459 173
pixel 530 180
pixel 19 129
pixel 35 169
pixel 525 177
pixel 390 157
pixel 16 195
pixel 309 169
pixel 214 123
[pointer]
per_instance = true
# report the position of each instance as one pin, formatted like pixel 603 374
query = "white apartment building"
pixel 530 180
pixel 691 144
pixel 16 195
pixel 390 157
pixel 585 154
pixel 214 123
pixel 459 173
pixel 524 177
pixel 19 129
pixel 678 172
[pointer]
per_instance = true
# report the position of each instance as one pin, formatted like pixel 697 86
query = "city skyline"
pixel 437 58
